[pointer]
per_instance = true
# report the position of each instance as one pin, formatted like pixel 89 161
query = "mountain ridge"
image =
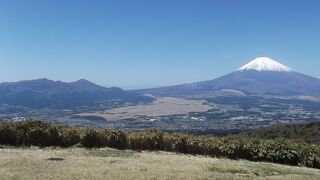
pixel 43 92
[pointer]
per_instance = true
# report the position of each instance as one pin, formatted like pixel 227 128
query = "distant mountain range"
pixel 47 93
pixel 261 77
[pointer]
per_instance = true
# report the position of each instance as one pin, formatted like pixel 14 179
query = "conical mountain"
pixel 262 76
pixel 265 64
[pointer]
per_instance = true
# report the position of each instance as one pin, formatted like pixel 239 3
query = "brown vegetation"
pixel 236 147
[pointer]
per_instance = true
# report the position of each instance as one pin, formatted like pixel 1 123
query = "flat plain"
pixel 164 106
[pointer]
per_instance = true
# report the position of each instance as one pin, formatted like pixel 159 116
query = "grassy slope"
pixel 80 163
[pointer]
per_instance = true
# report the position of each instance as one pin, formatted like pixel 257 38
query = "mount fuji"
pixel 265 64
pixel 263 76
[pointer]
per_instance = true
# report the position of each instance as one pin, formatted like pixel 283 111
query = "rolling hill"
pixel 302 132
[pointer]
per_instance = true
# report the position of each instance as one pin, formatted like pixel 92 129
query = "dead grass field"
pixel 160 107
pixel 80 163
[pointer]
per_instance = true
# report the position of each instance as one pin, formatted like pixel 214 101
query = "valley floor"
pixel 80 163
pixel 164 106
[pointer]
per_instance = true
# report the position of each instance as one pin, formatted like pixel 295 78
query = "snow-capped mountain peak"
pixel 265 64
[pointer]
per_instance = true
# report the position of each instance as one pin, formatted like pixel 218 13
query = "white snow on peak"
pixel 265 64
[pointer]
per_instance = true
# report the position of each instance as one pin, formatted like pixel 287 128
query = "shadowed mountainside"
pixel 47 93
pixel 308 133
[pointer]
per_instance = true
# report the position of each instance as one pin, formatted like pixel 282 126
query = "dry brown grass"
pixel 80 163
pixel 160 107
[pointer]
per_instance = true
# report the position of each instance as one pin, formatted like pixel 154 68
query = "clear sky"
pixel 149 43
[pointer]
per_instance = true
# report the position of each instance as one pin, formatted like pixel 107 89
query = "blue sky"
pixel 149 43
